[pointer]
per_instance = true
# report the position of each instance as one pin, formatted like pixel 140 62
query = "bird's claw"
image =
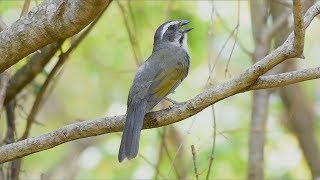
pixel 172 101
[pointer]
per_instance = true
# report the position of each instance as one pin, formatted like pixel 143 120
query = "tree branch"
pixel 62 59
pixel 299 30
pixel 45 24
pixel 284 79
pixel 163 117
pixel 153 120
pixel 25 8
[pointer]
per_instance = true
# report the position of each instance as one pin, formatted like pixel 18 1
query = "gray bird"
pixel 157 77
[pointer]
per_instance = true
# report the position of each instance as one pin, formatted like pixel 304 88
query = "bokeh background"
pixel 96 79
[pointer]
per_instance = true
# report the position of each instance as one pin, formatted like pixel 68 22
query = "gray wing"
pixel 158 76
pixel 168 78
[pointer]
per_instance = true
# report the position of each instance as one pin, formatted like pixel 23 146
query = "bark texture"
pixel 48 22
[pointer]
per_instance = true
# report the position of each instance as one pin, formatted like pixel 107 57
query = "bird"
pixel 158 76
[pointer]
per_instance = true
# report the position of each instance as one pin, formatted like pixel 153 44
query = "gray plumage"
pixel 160 75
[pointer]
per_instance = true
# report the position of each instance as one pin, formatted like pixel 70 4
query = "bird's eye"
pixel 171 27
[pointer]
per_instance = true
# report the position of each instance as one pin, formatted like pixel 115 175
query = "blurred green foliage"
pixel 95 83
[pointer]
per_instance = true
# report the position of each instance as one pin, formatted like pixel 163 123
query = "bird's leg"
pixel 170 100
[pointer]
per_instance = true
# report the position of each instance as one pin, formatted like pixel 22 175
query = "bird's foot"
pixel 172 101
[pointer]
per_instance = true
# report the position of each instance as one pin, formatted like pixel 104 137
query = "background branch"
pixel 131 32
pixel 299 112
pixel 30 70
pixel 260 105
pixel 298 42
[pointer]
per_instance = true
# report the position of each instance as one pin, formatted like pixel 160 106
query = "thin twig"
pixel 26 74
pixel 51 87
pixel 151 164
pixel 180 146
pixel 234 31
pixel 210 42
pixel 133 19
pixel 163 135
pixel 210 34
pixel 211 158
pixel 239 42
pixel 131 34
pixel 37 103
pixel 219 54
pixel 194 157
pixel 2 24
pixel 175 167
pixel 235 40
pixel 25 7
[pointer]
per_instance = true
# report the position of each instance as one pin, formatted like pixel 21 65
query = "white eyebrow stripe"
pixel 165 27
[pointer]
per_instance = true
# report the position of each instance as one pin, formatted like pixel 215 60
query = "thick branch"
pixel 287 78
pixel 62 59
pixel 160 118
pixel 154 119
pixel 44 24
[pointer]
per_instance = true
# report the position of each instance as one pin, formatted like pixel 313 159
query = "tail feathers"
pixel 131 133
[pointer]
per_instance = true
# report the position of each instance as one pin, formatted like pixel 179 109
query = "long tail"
pixel 131 133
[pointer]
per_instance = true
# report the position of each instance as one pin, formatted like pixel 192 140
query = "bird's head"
pixel 172 32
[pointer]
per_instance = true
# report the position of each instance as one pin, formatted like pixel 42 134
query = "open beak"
pixel 182 23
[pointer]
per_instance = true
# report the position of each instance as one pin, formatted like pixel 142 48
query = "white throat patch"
pixel 184 42
pixel 165 28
